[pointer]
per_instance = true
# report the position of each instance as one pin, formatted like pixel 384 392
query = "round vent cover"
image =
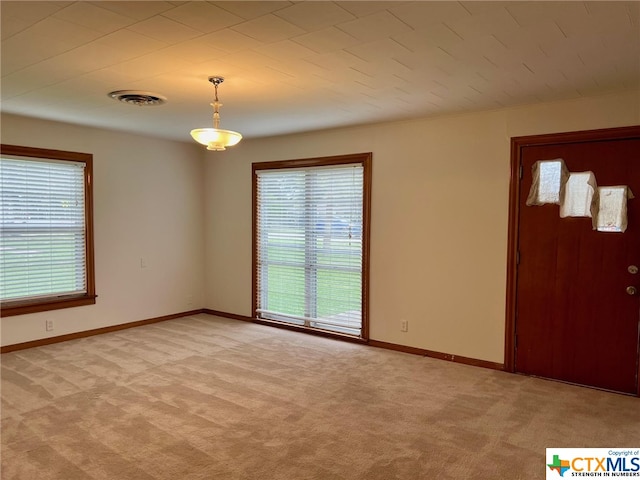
pixel 137 97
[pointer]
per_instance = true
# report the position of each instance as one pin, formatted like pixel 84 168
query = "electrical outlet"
pixel 404 326
pixel 48 325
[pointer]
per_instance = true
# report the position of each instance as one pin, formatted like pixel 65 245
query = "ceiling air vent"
pixel 139 98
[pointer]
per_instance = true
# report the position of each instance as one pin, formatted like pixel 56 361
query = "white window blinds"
pixel 42 220
pixel 309 246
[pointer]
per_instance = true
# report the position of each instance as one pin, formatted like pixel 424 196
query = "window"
pixel 311 243
pixel 578 195
pixel 46 241
pixel 612 212
pixel 549 180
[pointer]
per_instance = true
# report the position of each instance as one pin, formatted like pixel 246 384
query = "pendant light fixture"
pixel 215 138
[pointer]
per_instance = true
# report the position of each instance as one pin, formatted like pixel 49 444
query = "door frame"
pixel 517 144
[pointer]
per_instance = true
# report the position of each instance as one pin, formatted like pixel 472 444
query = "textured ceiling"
pixel 299 66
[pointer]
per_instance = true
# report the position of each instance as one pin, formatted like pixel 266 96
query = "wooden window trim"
pixel 43 304
pixel 366 160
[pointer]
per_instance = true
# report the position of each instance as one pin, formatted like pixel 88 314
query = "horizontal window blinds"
pixel 42 220
pixel 309 246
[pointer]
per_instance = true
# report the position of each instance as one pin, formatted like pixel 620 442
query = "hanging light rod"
pixel 215 138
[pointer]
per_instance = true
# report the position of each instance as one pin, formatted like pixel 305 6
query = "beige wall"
pixel 148 203
pixel 439 220
pixel 439 217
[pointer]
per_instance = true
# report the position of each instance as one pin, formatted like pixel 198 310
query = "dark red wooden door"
pixel 575 320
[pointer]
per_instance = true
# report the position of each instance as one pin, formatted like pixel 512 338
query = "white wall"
pixel 439 217
pixel 439 220
pixel 148 203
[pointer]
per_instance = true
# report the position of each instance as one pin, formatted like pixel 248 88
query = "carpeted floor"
pixel 208 398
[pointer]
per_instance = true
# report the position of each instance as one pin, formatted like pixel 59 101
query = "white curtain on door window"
pixel 580 197
pixel 612 214
pixel 549 180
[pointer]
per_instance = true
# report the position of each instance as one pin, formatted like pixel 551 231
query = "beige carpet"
pixel 209 398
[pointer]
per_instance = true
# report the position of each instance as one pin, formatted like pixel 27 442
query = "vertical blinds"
pixel 42 219
pixel 309 246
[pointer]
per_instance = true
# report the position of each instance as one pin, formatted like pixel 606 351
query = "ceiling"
pixel 293 66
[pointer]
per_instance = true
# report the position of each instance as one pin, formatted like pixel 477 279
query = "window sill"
pixel 9 309
pixel 312 330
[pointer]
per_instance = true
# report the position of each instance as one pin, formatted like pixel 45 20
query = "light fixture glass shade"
pixel 215 138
